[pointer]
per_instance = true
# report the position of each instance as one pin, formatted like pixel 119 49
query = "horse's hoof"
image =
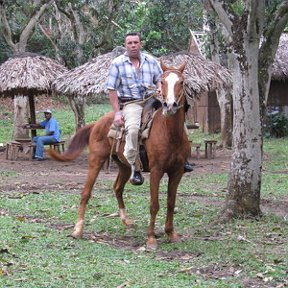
pixel 151 245
pixel 174 238
pixel 129 224
pixel 77 235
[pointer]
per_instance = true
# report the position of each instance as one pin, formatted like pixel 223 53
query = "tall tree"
pixel 253 46
pixel 77 30
pixel 17 26
pixel 217 34
pixel 164 24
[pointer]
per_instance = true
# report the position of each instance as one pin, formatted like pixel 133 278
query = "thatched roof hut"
pixel 280 64
pixel 277 98
pixel 28 74
pixel 88 79
pixel 201 75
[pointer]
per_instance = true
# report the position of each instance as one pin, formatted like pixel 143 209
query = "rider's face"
pixel 133 46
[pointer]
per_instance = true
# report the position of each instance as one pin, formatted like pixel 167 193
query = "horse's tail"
pixel 79 141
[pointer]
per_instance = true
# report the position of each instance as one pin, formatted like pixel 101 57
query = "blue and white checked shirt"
pixel 129 81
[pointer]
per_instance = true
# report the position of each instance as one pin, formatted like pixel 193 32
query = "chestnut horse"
pixel 167 149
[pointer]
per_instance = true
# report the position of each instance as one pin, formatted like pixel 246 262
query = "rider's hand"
pixel 159 91
pixel 118 119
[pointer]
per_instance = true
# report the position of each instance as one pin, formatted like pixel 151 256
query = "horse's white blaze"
pixel 171 79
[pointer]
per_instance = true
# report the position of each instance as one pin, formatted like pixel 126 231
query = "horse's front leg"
pixel 173 183
pixel 94 169
pixel 154 208
pixel 119 184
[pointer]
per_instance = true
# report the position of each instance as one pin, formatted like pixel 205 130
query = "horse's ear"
pixel 182 67
pixel 163 66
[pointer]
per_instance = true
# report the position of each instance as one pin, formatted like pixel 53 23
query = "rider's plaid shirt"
pixel 129 81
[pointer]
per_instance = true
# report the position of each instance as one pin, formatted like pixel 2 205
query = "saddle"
pixel 118 134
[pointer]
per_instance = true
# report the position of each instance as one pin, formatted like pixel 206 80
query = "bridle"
pixel 176 105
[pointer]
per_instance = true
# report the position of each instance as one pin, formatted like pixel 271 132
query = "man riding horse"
pixel 167 148
pixel 129 77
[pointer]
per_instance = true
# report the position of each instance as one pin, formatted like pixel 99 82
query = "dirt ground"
pixel 73 174
pixel 33 176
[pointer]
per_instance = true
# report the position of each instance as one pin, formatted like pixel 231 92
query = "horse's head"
pixel 172 88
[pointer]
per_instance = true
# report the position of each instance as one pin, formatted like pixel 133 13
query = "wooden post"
pixel 210 149
pixel 32 114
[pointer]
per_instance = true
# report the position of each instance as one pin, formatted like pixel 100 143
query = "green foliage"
pixel 5 50
pixel 164 25
pixel 67 122
pixel 237 7
pixel 276 125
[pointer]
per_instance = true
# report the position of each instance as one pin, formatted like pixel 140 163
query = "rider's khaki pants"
pixel 132 116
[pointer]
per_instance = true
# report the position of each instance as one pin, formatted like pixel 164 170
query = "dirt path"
pixel 33 176
pixel 40 174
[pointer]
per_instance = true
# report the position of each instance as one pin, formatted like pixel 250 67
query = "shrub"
pixel 276 125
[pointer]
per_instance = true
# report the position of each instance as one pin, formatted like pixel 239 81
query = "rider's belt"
pixel 125 100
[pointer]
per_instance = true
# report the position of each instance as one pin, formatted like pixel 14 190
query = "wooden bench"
pixel 56 146
pixel 13 149
pixel 197 148
pixel 210 149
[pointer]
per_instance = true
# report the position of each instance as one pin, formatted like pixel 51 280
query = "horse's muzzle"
pixel 168 109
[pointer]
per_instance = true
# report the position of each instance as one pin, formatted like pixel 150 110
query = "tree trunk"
pixel 225 103
pixel 251 78
pixel 244 183
pixel 77 104
pixel 224 97
pixel 20 117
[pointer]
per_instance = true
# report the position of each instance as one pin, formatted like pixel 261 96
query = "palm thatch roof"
pixel 201 75
pixel 28 74
pixel 89 78
pixel 280 64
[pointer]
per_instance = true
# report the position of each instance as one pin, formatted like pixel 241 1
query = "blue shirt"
pixel 129 81
pixel 51 125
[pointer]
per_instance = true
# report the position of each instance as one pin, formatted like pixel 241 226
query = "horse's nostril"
pixel 165 104
pixel 175 105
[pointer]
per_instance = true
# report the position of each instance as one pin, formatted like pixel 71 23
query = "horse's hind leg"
pixel 119 184
pixel 94 169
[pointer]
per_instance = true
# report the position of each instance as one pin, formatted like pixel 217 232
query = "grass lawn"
pixel 36 250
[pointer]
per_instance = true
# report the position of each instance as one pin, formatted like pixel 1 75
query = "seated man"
pixel 52 134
